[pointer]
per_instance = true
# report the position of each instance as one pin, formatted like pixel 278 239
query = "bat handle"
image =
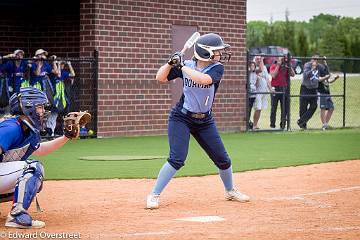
pixel 183 50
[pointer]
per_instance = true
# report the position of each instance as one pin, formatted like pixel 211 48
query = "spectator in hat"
pixel 64 77
pixel 40 79
pixel 41 69
pixel 16 69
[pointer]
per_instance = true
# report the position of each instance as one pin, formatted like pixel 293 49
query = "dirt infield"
pixel 309 202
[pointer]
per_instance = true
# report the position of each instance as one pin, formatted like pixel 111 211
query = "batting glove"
pixel 177 60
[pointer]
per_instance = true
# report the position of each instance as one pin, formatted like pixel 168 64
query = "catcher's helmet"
pixel 206 45
pixel 25 103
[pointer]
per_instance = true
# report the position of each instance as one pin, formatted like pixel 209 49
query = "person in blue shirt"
pixel 16 69
pixel 61 100
pixel 21 178
pixel 4 87
pixel 40 71
pixel 192 114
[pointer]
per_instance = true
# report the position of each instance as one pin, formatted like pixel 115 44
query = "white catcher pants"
pixel 9 174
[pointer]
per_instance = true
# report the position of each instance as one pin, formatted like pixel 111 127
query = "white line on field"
pixel 301 196
pixel 327 229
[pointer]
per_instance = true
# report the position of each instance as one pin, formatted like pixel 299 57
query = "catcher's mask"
pixel 30 102
pixel 210 45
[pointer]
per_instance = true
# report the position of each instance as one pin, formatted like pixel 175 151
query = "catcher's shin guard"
pixel 27 186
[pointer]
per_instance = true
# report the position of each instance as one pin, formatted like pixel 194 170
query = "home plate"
pixel 202 219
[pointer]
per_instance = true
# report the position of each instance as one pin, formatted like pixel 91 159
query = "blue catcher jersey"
pixel 198 98
pixel 15 143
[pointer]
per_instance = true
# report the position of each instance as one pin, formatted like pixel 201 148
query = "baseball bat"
pixel 191 41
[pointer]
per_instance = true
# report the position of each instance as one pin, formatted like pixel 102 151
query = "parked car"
pixel 296 64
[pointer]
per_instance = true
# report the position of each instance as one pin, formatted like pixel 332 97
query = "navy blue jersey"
pixel 196 97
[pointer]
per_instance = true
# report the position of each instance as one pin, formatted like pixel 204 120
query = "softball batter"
pixel 192 114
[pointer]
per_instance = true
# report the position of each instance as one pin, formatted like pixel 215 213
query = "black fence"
pixel 341 102
pixel 75 93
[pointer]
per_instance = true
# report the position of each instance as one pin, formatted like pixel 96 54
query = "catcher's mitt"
pixel 73 121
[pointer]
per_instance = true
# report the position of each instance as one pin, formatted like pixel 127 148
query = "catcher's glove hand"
pixel 73 121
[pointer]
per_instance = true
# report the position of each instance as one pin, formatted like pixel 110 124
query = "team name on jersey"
pixel 190 83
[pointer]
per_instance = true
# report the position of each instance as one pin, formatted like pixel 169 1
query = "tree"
pixel 303 45
pixel 327 34
pixel 269 35
pixel 289 33
pixel 318 26
pixel 355 50
pixel 254 33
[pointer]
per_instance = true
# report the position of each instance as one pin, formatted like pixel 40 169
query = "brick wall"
pixel 134 40
pixel 30 25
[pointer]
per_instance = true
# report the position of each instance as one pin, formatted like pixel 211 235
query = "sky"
pixel 300 10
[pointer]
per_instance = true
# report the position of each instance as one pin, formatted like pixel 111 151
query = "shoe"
pixel 235 195
pixel 325 126
pixel 23 220
pixel 301 125
pixel 152 201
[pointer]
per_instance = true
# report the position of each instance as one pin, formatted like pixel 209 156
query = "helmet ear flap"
pixel 15 107
pixel 202 52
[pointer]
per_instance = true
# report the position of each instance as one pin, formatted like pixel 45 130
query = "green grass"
pixel 248 152
pixel 352 116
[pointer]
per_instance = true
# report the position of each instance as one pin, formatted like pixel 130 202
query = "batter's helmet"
pixel 206 45
pixel 25 103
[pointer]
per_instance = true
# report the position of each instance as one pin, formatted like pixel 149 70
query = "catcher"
pixel 21 178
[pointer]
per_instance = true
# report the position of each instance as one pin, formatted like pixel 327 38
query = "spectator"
pixel 61 100
pixel 16 70
pixel 253 82
pixel 40 79
pixel 262 87
pixel 41 70
pixel 280 73
pixel 313 73
pixel 326 103
pixel 4 89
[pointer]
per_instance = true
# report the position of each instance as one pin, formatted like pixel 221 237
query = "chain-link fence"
pixel 72 88
pixel 336 107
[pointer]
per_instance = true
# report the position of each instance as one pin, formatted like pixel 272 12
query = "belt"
pixel 195 115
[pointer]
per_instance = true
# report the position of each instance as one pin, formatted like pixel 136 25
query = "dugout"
pixel 133 38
